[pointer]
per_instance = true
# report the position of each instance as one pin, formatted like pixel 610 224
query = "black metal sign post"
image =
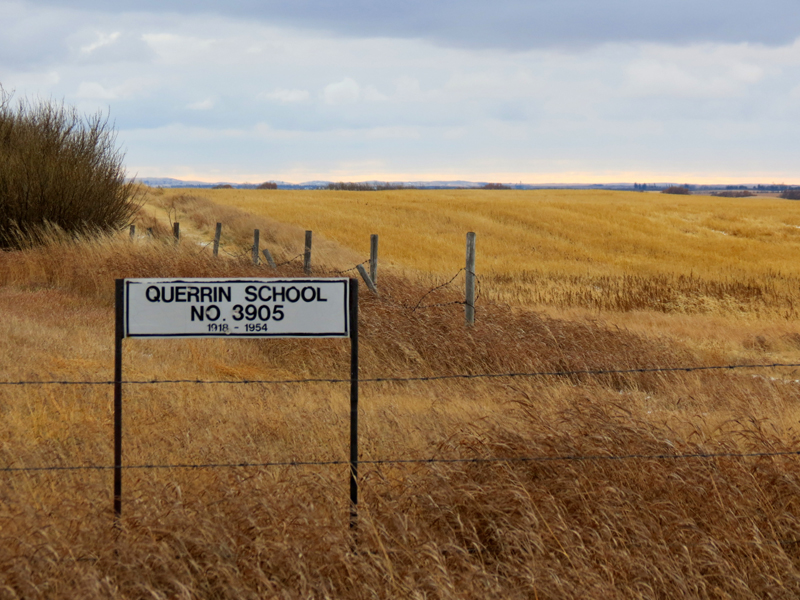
pixel 121 331
pixel 353 402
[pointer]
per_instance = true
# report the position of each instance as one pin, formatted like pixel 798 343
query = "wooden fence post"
pixel 469 305
pixel 217 235
pixel 367 279
pixel 176 232
pixel 270 260
pixel 307 255
pixel 256 236
pixel 373 258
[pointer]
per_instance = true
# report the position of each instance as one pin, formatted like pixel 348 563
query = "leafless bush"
pixel 676 189
pixel 59 171
pixel 730 194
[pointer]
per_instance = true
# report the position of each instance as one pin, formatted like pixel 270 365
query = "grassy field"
pixel 570 281
pixel 721 273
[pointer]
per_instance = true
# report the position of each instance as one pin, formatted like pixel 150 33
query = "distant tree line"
pixel 779 187
pixel 341 186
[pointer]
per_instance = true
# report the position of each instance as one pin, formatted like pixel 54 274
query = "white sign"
pixel 236 307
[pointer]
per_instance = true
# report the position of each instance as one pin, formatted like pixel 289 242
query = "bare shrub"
pixel 676 189
pixel 268 185
pixel 731 194
pixel 791 194
pixel 59 171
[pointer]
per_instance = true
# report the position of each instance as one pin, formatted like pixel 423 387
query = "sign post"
pixel 237 308
pixel 119 333
pixel 353 402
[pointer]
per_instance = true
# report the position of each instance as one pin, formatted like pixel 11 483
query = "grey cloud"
pixel 509 24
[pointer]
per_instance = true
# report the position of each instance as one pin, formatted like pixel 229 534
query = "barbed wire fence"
pixel 421 460
pixel 244 253
pixel 413 307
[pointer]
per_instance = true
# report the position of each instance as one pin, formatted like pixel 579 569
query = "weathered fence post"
pixel 307 255
pixel 270 260
pixel 217 235
pixel 256 236
pixel 176 232
pixel 373 259
pixel 133 231
pixel 367 279
pixel 469 304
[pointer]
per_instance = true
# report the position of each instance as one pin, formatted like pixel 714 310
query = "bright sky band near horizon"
pixel 537 91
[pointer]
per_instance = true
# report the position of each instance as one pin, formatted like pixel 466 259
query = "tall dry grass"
pixel 614 528
pixel 284 241
pixel 617 251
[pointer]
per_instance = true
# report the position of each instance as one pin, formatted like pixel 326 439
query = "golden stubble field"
pixel 569 281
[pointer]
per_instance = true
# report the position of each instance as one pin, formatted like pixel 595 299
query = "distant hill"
pixel 169 182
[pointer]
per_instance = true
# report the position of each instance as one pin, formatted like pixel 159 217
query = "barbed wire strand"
pixel 438 287
pixel 353 268
pixel 511 374
pixel 412 461
pixel 286 262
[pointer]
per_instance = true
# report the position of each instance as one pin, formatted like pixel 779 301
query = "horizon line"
pixel 578 183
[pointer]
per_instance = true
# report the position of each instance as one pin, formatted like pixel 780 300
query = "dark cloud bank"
pixel 507 24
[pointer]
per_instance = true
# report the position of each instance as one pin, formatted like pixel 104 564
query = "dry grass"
pixel 636 528
pixel 617 251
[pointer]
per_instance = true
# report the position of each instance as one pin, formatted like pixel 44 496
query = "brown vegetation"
pixel 676 189
pixel 576 522
pixel 59 171
pixel 734 194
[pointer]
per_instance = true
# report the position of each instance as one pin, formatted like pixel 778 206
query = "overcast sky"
pixel 534 91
